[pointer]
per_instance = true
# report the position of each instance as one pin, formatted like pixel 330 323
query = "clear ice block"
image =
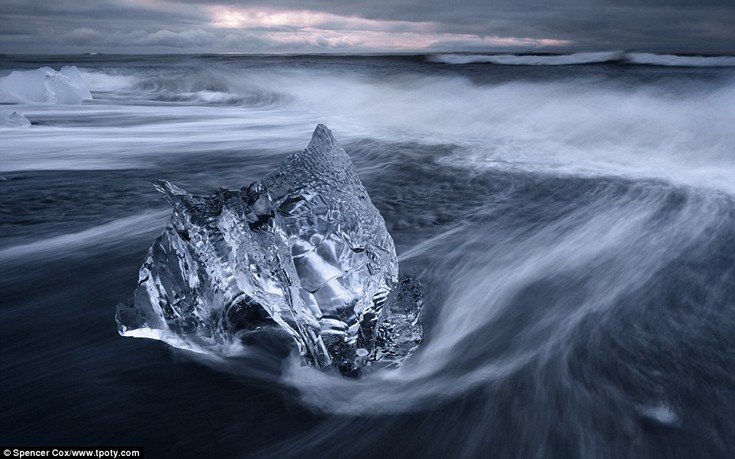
pixel 304 250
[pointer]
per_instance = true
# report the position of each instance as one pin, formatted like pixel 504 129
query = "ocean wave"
pixel 586 58
pixel 568 127
pixel 571 126
pixel 81 243
pixel 198 87
pixel 523 287
pixel 210 87
pixel 528 59
pixel 106 81
pixel 671 60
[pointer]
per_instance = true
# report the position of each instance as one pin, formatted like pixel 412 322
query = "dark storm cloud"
pixel 156 25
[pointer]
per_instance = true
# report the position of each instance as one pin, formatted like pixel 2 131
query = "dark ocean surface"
pixel 573 226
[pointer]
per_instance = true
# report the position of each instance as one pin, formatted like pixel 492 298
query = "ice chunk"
pixel 13 120
pixel 661 413
pixel 44 86
pixel 303 251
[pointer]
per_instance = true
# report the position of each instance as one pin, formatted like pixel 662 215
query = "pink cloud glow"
pixel 330 30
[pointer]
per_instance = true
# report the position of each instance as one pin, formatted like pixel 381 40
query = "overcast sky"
pixel 259 26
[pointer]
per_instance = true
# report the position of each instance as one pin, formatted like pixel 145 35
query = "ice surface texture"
pixel 304 251
pixel 44 86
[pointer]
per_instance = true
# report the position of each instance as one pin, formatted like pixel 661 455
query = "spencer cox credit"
pixel 73 452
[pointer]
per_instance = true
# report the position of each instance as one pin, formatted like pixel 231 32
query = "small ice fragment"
pixel 661 413
pixel 304 251
pixel 14 120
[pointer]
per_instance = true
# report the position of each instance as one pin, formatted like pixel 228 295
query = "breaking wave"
pixel 527 59
pixel 203 87
pixel 669 60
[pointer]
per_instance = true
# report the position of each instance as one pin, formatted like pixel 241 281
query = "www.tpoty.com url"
pixel 97 452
